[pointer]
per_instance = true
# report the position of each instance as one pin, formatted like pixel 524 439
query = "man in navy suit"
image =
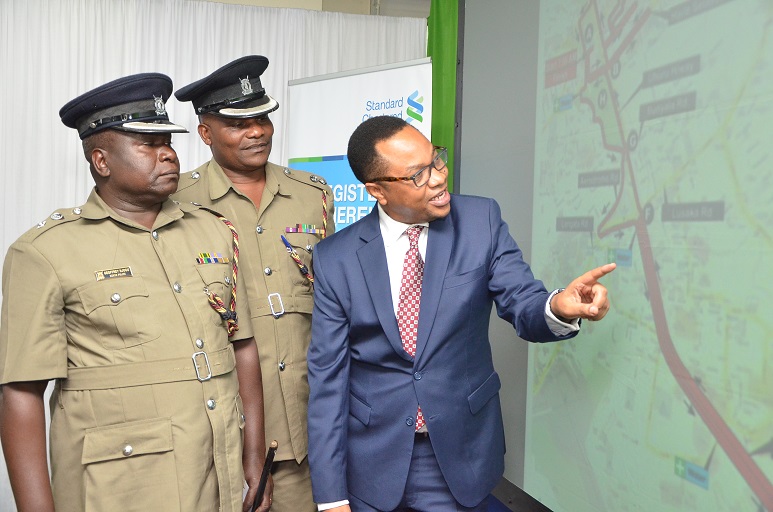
pixel 400 427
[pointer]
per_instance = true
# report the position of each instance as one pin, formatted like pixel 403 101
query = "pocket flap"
pixel 485 391
pixel 304 241
pixel 464 278
pixel 127 440
pixel 359 409
pixel 214 273
pixel 111 292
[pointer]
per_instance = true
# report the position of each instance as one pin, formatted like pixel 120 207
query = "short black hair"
pixel 97 140
pixel 365 161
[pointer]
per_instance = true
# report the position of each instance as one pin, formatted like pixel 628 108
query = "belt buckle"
pixel 196 366
pixel 274 312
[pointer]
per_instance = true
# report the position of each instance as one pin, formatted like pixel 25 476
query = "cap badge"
pixel 246 86
pixel 159 104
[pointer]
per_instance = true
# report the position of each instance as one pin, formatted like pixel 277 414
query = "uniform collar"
pixel 95 208
pixel 219 184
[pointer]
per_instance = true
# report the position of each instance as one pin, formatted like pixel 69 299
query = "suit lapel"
pixel 372 257
pixel 439 245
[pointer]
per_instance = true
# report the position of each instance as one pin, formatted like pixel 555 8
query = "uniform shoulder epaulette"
pixel 194 206
pixel 58 218
pixel 188 206
pixel 210 210
pixel 188 179
pixel 306 178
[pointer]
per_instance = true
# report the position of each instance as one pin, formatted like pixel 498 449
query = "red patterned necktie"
pixel 410 299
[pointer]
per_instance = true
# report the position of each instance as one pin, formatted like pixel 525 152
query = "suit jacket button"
pixel 281 366
pixel 417 375
pixel 409 422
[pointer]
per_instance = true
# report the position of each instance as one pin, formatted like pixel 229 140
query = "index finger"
pixel 598 272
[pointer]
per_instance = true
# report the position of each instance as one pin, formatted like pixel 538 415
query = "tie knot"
pixel 413 233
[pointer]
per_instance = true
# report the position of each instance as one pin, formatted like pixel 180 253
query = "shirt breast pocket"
pixel 121 310
pixel 218 279
pixel 303 243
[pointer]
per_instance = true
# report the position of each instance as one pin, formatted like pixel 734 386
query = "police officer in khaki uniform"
pixel 128 303
pixel 273 208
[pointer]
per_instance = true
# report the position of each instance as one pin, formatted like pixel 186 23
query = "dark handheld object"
pixel 264 476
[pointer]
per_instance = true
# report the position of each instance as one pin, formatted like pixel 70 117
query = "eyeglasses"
pixel 421 177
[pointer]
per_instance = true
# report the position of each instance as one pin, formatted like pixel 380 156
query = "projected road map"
pixel 655 150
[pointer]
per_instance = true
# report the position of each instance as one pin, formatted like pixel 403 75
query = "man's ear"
pixel 99 162
pixel 204 134
pixel 377 191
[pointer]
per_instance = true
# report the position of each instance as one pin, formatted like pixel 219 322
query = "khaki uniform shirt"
pixel 280 296
pixel 115 311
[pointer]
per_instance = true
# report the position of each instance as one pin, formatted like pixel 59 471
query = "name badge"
pixel 101 275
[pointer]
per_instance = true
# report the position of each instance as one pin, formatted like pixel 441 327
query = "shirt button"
pixel 259 229
pixel 211 404
pixel 77 211
pixel 154 234
pixel 267 271
pixel 409 422
pixel 309 248
pixel 417 375
pixel 199 343
pixel 57 216
pixel 127 450
pixel 281 366
pixel 227 280
pixel 115 298
pixel 195 175
pixel 177 287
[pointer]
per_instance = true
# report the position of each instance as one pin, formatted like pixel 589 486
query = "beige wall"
pixel 315 5
pixel 350 6
pixel 410 8
pixel 347 6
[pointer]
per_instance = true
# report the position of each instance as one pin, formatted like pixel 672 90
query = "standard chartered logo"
pixel 415 107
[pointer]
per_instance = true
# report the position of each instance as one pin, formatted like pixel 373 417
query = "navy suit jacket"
pixel 365 388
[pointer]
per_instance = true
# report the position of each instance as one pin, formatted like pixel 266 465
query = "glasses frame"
pixel 433 165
